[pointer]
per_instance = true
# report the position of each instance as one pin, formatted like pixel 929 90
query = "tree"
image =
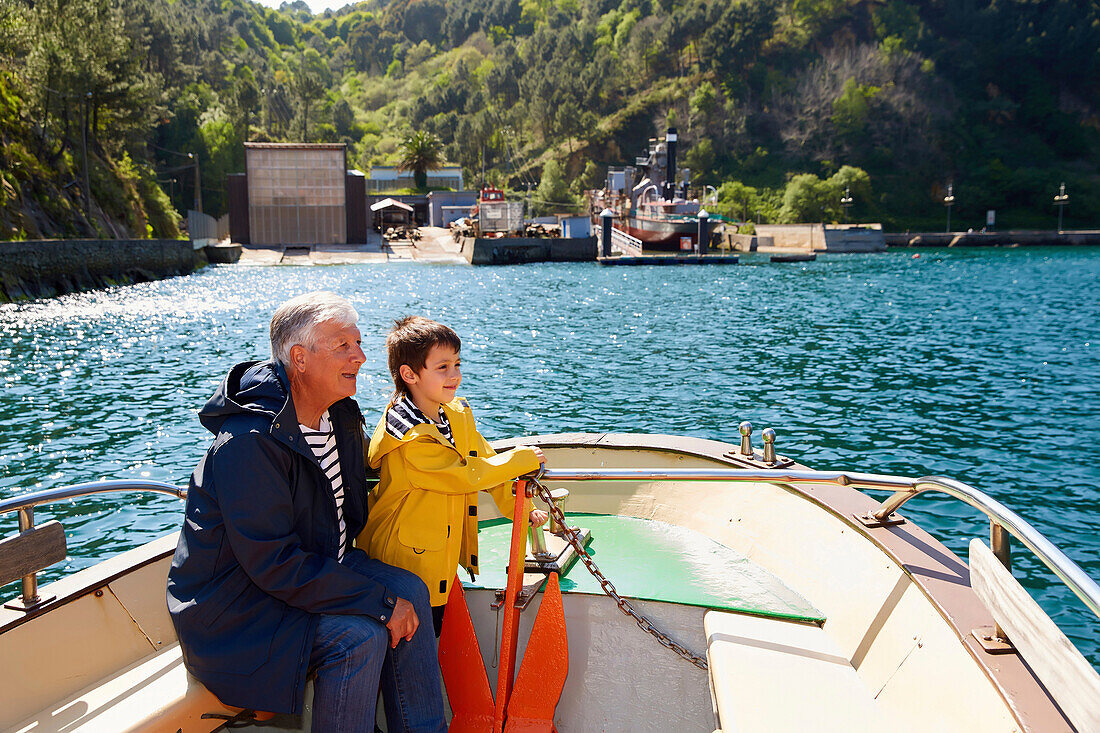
pixel 309 82
pixel 737 198
pixel 805 199
pixel 808 198
pixel 700 159
pixel 421 152
pixel 852 108
pixel 553 192
pixel 702 103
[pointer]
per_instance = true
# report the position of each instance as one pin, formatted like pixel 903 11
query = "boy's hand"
pixel 539 453
pixel 538 517
pixel 403 622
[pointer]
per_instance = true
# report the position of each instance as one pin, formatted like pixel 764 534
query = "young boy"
pixel 423 514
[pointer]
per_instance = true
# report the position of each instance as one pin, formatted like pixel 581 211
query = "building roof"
pixel 389 203
pixel 297 146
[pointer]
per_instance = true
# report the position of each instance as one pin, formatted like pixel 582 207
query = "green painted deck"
pixel 656 561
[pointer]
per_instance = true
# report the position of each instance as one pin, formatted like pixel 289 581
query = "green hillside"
pixel 779 104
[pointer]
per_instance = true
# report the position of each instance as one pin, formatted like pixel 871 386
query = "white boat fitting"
pixel 815 606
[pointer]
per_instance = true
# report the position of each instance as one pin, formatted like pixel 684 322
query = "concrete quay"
pixel 520 250
pixel 790 239
pixel 1008 238
pixel 51 267
pixel 435 246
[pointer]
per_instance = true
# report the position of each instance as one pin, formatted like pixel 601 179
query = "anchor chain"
pixel 608 588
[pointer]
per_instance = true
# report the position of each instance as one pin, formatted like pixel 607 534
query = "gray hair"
pixel 295 322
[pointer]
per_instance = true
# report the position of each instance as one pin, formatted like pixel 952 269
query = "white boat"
pixel 815 606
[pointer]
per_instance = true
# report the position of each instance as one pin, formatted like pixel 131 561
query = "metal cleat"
pixel 769 445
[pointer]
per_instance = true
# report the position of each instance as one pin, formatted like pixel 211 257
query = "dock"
pixel 435 246
pixel 685 259
pixel 627 251
pixel 1006 238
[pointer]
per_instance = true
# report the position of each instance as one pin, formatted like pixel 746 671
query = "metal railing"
pixel 1001 518
pixel 26 503
pixel 626 243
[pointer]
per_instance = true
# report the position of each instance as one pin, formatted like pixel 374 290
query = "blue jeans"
pixel 350 653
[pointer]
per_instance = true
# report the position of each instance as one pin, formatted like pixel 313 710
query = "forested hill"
pixel 777 101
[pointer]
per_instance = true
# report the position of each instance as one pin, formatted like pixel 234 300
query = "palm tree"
pixel 421 152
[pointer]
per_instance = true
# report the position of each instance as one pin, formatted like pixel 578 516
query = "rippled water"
pixel 981 365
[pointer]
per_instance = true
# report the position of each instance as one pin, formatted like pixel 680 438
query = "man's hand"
pixel 403 622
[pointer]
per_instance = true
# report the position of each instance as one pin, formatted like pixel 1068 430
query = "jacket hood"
pixel 382 442
pixel 252 387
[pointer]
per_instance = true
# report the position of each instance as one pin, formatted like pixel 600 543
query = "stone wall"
pixel 45 268
pixel 745 242
pixel 854 238
pixel 807 237
pixel 518 250
pixel 993 239
pixel 822 238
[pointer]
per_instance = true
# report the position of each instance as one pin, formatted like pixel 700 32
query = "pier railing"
pixel 627 244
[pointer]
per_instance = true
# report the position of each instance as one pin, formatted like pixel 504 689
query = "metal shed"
pixel 296 193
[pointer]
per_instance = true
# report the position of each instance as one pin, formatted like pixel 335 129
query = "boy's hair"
pixel 409 342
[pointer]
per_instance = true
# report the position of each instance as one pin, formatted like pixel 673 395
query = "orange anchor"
pixel 525 704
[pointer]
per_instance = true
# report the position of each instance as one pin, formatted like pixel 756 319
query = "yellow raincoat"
pixel 423 513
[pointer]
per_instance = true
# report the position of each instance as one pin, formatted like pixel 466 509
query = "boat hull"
pixel 661 235
pixel 898 604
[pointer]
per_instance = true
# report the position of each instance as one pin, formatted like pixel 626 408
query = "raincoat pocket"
pixel 422 522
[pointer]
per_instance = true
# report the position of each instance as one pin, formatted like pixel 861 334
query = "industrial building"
pixel 387 178
pixel 294 193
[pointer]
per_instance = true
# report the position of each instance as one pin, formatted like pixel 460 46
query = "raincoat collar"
pixel 262 388
pixel 382 442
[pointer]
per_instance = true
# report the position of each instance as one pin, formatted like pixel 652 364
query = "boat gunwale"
pixel 91 579
pixel 908 545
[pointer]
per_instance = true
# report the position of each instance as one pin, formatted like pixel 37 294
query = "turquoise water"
pixel 981 365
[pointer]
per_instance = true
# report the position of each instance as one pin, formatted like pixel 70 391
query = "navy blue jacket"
pixel 256 560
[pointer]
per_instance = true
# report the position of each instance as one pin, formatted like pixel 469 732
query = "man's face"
pixel 329 370
pixel 438 381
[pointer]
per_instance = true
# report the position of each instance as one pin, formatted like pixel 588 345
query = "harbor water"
pixel 982 365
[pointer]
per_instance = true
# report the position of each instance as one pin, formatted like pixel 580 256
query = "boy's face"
pixel 437 383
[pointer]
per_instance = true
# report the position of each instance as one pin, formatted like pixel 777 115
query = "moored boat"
pixel 811 605
pixel 652 206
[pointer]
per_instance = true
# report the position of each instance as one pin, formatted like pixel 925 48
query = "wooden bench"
pixel 155 694
pixel 772 675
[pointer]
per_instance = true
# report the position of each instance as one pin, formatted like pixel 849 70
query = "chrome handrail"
pixel 1004 518
pixel 26 503
pixel 1001 518
pixel 52 496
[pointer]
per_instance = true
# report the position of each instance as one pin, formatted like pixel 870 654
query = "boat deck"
pixel 678 566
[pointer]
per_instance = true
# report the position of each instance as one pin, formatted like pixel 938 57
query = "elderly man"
pixel 265 588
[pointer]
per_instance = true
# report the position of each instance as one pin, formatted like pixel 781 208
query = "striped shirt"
pixel 404 415
pixel 323 444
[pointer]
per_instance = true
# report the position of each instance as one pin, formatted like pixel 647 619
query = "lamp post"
pixel 1060 200
pixel 87 184
pixel 198 185
pixel 949 201
pixel 846 202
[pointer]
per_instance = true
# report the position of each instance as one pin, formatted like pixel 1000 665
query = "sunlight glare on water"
pixel 979 365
